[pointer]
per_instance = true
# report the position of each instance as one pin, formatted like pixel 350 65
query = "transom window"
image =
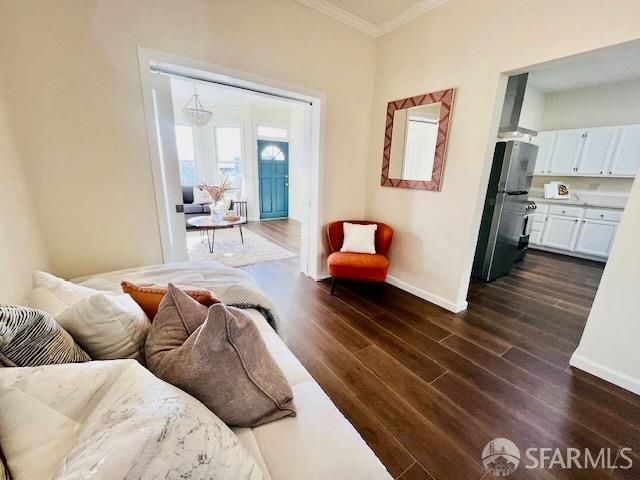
pixel 272 132
pixel 272 153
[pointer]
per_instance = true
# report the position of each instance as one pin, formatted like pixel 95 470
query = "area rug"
pixel 229 250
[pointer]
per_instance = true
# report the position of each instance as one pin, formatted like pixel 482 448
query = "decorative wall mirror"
pixel 415 140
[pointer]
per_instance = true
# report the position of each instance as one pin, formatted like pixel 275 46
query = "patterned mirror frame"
pixel 444 96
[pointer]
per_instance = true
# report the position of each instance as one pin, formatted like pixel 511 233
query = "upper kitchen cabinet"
pixel 545 142
pixel 566 150
pixel 626 157
pixel 588 152
pixel 597 149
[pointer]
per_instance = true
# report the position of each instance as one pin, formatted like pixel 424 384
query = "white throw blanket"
pixel 231 286
pixel 120 422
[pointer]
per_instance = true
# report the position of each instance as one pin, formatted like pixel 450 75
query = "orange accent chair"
pixel 358 266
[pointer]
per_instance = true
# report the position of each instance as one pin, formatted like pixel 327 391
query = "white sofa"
pixel 319 443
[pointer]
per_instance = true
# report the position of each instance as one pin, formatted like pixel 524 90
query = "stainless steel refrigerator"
pixel 503 215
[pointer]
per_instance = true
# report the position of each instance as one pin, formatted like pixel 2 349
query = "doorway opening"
pixel 566 156
pixel 255 140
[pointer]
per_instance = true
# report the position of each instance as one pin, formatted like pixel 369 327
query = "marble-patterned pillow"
pixel 134 425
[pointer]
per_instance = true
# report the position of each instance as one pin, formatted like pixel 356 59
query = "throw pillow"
pixel 35 437
pixel 4 469
pixel 30 337
pixel 149 296
pixel 359 238
pixel 108 326
pixel 53 294
pixel 200 196
pixel 218 356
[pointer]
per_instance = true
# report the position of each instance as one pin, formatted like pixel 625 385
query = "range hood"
pixel 512 108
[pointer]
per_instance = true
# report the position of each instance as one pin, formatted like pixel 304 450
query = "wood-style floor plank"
pixel 428 388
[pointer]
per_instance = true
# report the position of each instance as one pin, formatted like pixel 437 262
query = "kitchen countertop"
pixel 600 201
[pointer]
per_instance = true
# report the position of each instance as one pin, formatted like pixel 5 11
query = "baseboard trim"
pixel 428 296
pixel 594 368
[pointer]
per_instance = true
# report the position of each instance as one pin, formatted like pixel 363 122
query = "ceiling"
pixel 606 65
pixel 375 18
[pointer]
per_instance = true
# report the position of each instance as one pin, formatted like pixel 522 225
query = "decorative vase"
pixel 217 210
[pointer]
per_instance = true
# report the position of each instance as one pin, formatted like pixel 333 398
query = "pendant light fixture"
pixel 194 112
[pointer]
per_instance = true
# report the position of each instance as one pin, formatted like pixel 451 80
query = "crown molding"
pixel 408 15
pixel 369 28
pixel 342 16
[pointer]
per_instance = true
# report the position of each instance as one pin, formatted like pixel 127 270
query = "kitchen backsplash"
pixel 616 186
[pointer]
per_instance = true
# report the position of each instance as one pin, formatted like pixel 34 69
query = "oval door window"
pixel 272 153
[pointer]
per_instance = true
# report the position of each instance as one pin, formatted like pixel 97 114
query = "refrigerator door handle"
pixel 518 192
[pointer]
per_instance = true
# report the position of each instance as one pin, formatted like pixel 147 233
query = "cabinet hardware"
pixel 576 220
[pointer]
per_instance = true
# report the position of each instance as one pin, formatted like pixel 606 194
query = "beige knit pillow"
pixel 218 356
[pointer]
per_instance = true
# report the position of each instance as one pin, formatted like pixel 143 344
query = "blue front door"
pixel 273 176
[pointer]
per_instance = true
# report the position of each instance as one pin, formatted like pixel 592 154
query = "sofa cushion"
pixel 193 208
pixel 358 266
pixel 30 337
pixel 201 196
pixel 218 356
pixel 134 425
pixel 149 296
pixel 187 194
pixel 107 326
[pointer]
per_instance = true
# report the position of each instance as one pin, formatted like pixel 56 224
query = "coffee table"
pixel 206 225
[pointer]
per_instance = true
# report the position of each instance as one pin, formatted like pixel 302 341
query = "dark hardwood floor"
pixel 285 232
pixel 427 389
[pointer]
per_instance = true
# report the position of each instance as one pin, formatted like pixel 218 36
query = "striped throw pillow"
pixel 4 469
pixel 30 337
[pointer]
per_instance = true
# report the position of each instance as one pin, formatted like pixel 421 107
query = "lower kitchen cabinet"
pixel 596 237
pixel 575 230
pixel 560 232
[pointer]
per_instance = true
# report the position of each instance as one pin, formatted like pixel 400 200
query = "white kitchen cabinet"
pixel 566 152
pixel 595 237
pixel 545 142
pixel 560 232
pixel 587 152
pixel 534 237
pixel 627 154
pixel 586 232
pixel 598 145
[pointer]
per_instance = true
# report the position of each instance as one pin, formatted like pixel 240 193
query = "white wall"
pixel 74 94
pixel 600 106
pixel 466 44
pixel 21 247
pixel 532 109
pixel 609 344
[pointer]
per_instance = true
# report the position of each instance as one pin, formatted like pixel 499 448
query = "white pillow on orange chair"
pixel 359 238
